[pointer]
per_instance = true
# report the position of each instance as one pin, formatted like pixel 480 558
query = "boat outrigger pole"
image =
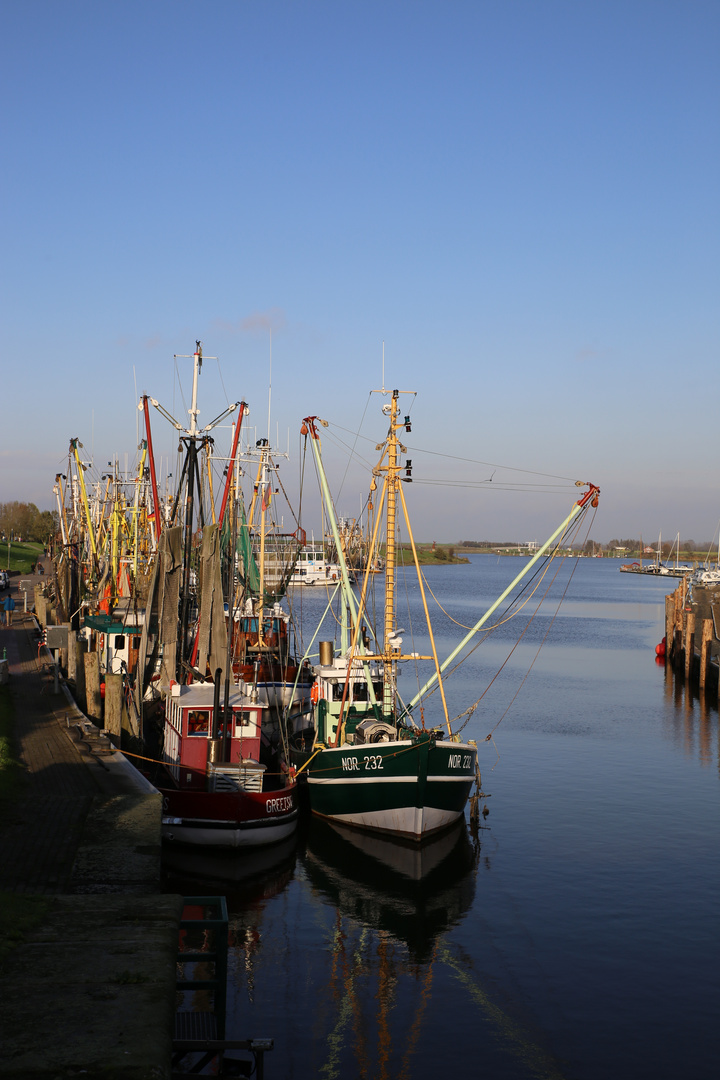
pixel 153 478
pixel 590 496
pixel 309 426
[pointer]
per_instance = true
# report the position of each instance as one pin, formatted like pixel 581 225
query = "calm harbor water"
pixel 576 936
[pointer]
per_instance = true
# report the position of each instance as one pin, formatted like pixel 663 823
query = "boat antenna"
pixel 137 418
pixel 383 370
pixel 270 385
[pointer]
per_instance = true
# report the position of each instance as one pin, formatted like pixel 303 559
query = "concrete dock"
pixel 90 990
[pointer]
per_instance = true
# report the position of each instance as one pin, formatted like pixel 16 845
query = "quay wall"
pixel 692 639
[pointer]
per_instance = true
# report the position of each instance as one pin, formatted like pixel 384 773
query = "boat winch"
pixel 374 731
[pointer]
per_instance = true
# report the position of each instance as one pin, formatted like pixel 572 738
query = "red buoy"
pixel 660 649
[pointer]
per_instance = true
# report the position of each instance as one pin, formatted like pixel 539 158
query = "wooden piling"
pixel 65 653
pixel 676 648
pixel 92 687
pixel 705 648
pixel 113 707
pixel 40 606
pixel 689 643
pixel 71 656
pixel 79 646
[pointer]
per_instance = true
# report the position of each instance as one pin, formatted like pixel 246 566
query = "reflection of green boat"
pixel 414 892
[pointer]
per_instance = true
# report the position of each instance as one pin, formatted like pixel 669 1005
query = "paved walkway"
pixel 41 830
pixel 91 989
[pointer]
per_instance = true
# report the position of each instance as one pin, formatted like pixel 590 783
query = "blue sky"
pixel 519 198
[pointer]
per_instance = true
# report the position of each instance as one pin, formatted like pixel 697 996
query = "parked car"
pixel 4 580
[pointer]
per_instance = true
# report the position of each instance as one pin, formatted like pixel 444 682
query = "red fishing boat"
pixel 224 784
pixel 224 777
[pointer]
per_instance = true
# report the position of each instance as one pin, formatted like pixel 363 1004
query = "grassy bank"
pixel 19 558
pixel 440 555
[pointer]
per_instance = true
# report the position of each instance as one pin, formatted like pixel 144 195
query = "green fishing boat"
pixel 368 762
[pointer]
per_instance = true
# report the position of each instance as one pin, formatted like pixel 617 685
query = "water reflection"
pixel 598 896
pixel 414 893
pixel 239 876
pixel 692 719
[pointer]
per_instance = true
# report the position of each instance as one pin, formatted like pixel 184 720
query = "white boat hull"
pixel 227 834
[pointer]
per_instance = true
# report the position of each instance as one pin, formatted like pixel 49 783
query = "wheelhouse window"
pixel 245 723
pixel 198 722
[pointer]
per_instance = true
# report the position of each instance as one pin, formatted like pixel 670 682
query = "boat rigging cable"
pixel 487 484
pixel 469 712
pixel 351 455
pixel 469 461
pixel 571 528
pixel 539 573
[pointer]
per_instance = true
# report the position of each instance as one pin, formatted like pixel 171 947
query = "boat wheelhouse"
pixel 312 567
pixel 264 661
pixel 116 639
pixel 227 785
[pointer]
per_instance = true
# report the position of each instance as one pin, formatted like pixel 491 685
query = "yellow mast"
pixel 102 527
pixel 74 443
pixel 60 491
pixel 136 506
pixel 427 613
pixel 210 483
pixel 264 503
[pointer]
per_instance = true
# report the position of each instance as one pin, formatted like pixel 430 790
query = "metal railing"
pixel 201 1033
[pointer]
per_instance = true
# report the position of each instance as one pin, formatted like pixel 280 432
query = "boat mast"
pixel 191 443
pixel 136 506
pixel 309 426
pixel 390 555
pixel 191 437
pixel 264 503
pixel 74 444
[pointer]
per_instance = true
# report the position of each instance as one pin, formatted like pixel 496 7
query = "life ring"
pixel 315 692
pixel 101 643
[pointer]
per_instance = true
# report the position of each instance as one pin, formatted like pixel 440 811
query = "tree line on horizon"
pixel 23 521
pixel 630 546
